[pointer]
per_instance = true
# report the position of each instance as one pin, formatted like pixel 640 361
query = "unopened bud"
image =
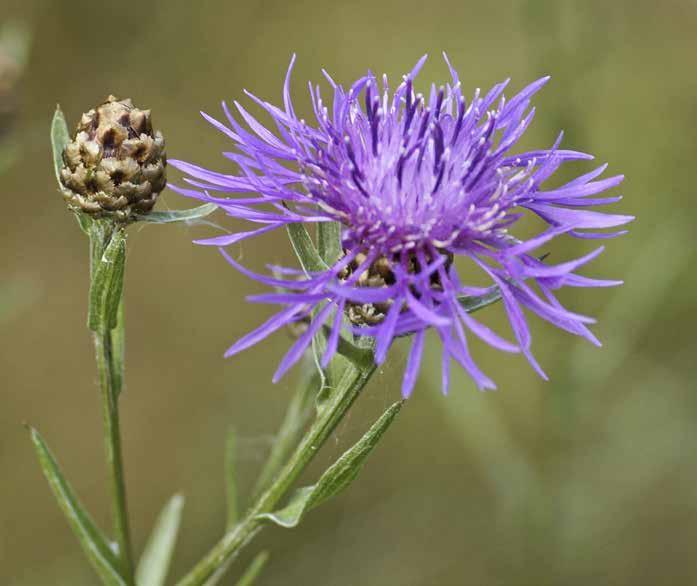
pixel 115 165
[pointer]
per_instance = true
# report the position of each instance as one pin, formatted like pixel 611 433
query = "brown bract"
pixel 115 165
pixel 380 274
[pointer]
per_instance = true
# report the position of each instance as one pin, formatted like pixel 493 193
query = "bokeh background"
pixel 590 478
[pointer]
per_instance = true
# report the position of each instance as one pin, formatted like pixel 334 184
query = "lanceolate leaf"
pixel 189 215
pixel 472 304
pixel 337 477
pixel 311 261
pixel 118 344
pixel 155 561
pixel 107 282
pixel 93 542
pixel 305 249
pixel 329 241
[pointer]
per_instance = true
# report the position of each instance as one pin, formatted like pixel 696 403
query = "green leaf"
pixel 252 572
pixel 189 215
pixel 231 479
pixel 337 477
pixel 305 249
pixel 106 287
pixel 60 137
pixel 472 304
pixel 93 542
pixel 84 221
pixel 155 561
pixel 311 261
pixel 118 346
pixel 329 241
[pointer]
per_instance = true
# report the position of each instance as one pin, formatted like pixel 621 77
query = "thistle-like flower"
pixel 115 165
pixel 418 184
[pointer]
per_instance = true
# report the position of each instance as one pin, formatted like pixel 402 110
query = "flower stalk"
pixel 98 146
pixel 109 367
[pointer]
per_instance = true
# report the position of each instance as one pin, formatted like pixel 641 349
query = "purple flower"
pixel 416 183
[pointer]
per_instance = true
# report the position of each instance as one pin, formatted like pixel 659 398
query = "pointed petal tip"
pixel 231 351
pixel 486 386
pixel 208 242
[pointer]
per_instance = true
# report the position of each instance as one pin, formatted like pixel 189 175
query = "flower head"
pixel 416 182
pixel 115 165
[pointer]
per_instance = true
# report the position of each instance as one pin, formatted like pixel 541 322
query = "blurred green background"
pixel 590 478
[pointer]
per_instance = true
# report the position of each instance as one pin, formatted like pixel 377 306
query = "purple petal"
pixel 413 364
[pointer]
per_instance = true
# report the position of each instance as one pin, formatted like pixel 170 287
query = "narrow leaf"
pixel 336 478
pixel 60 136
pixel 169 217
pixel 472 304
pixel 118 345
pixel 329 241
pixel 155 561
pixel 84 221
pixel 106 287
pixel 311 261
pixel 305 249
pixel 93 542
pixel 252 572
pixel 231 479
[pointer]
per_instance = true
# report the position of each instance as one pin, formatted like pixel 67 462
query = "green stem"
pixel 107 342
pixel 112 440
pixel 330 413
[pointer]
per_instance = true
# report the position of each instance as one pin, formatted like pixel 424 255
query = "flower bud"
pixel 115 165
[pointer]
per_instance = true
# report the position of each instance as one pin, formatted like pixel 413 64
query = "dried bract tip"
pixel 115 165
